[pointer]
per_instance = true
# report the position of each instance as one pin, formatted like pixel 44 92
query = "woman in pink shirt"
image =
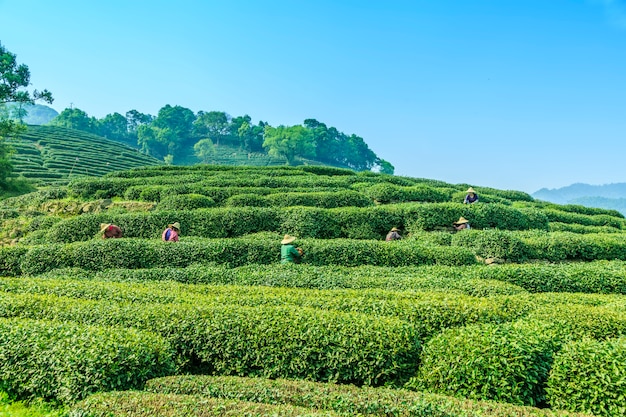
pixel 171 233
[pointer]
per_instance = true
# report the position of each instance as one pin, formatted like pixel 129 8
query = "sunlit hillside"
pixel 523 314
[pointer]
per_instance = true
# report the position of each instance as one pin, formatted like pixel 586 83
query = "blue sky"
pixel 511 94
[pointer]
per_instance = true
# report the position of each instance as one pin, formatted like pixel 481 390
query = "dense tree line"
pixel 175 130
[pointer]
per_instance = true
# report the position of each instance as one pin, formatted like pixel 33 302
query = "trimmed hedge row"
pixel 584 219
pixel 268 341
pixel 508 362
pixel 578 321
pixel 481 216
pixel 588 376
pixel 98 255
pixel 348 222
pixel 425 278
pixel 522 246
pixel 579 228
pixel 108 187
pixel 385 193
pixel 428 312
pixel 560 246
pixel 601 277
pixel 137 403
pixel 342 399
pixel 575 208
pixel 67 361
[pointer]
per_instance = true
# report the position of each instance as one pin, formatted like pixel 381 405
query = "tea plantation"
pixel 51 154
pixel 522 315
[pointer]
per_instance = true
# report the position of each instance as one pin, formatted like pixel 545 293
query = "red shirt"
pixel 112 232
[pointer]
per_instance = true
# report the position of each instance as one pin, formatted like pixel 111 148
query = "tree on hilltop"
pixel 289 142
pixel 14 78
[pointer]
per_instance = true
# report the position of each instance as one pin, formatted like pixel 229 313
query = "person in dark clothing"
pixel 393 235
pixel 471 196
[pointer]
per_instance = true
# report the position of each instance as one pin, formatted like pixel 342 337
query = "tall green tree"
pixel 114 126
pixel 14 78
pixel 214 125
pixel 289 142
pixel 204 150
pixel 251 136
pixel 158 142
pixel 75 118
pixel 178 119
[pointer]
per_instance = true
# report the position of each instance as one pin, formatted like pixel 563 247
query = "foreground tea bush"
pixel 588 376
pixel 67 361
pixel 270 341
pixel 508 362
pixel 342 399
pixel 428 312
pixel 137 403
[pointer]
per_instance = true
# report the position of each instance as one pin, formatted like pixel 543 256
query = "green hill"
pixel 47 154
pixel 523 314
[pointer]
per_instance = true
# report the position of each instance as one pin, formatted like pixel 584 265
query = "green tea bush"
pixel 10 258
pixel 559 246
pixel 138 403
pixel 459 197
pixel 6 214
pixel 507 362
pixel 343 399
pixel 390 193
pixel 269 341
pixel 492 243
pixel 579 228
pixel 211 223
pixel 367 223
pixel 429 312
pixel 43 222
pixel 584 219
pixel 326 170
pixel 481 216
pixel 602 277
pixel 67 361
pixel 140 253
pixel 185 202
pixel 588 376
pixel 151 193
pixel 510 195
pixel 345 198
pixel 577 321
pixel 309 222
pixel 349 252
pixel 247 200
pixel 425 278
pixel 575 208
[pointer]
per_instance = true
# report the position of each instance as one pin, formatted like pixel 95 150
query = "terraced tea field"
pixel 522 315
pixel 47 154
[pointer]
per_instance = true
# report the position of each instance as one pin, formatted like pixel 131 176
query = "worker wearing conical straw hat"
pixel 288 251
pixel 471 196
pixel 461 224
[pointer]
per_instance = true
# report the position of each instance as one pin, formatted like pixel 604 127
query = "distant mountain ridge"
pixel 608 196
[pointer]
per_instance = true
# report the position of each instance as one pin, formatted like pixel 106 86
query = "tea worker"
pixel 110 231
pixel 171 233
pixel 461 224
pixel 288 251
pixel 471 196
pixel 393 235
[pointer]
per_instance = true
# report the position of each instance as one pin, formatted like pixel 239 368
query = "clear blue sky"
pixel 512 94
